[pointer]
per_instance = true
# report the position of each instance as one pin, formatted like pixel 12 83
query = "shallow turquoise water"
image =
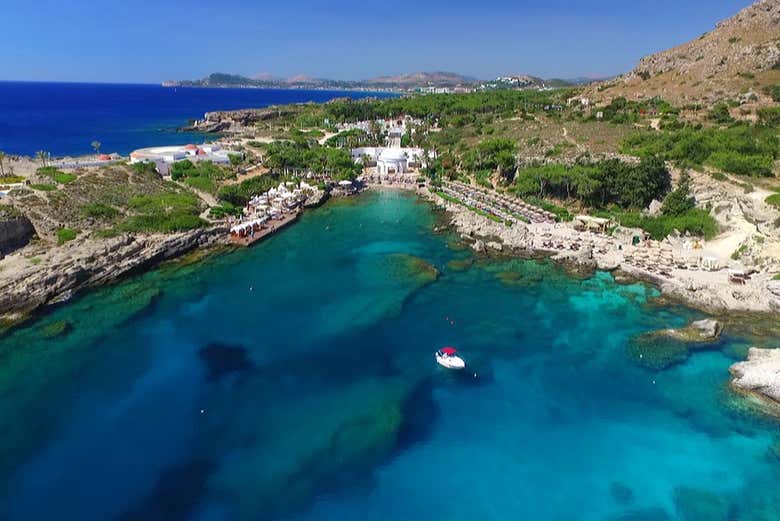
pixel 295 380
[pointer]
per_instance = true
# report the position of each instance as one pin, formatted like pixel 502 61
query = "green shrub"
pixel 773 91
pixel 57 176
pixel 106 233
pixel 10 179
pixel 776 277
pixel 742 164
pixel 223 210
pixel 679 200
pixel 204 184
pixel 696 221
pixel 144 167
pixel 43 187
pixel 162 223
pixel 773 200
pixel 99 211
pixel 769 116
pixel 736 149
pixel 66 234
pixel 720 114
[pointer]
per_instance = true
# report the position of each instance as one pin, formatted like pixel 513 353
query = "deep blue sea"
pixel 64 118
pixel 296 381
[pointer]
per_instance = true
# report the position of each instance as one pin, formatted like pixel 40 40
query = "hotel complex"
pixel 163 157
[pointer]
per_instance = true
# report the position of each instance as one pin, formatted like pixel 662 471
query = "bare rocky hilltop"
pixel 739 57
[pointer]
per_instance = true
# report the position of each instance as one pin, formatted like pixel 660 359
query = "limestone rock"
pixel 86 263
pixel 707 328
pixel 654 209
pixel 759 374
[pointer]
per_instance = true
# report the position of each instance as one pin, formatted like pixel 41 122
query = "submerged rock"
pixel 512 278
pixel 656 350
pixel 409 267
pixel 176 494
pixel 695 504
pixel 56 329
pixel 283 456
pixel 460 264
pixel 759 375
pixel 667 347
pixel 621 493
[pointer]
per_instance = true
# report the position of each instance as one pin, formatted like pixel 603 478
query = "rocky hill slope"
pixel 739 57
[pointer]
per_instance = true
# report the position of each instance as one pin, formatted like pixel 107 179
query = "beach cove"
pixel 296 380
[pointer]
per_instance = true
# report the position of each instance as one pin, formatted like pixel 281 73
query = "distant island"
pixel 430 82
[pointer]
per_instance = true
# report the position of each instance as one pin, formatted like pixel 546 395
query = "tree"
pixel 2 166
pixel 720 114
pixel 43 157
pixel 679 200
pixel 235 161
pixel 96 145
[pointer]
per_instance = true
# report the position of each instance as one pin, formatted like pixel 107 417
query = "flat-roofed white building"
pixel 171 154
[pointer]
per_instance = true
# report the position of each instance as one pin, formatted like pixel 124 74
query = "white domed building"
pixel 392 161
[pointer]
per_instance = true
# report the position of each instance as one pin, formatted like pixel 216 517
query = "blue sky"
pixel 150 41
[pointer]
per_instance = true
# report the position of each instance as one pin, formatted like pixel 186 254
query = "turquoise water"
pixel 295 380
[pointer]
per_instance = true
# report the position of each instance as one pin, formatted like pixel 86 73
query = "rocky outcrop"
pixel 707 329
pixel 774 290
pixel 15 232
pixel 316 199
pixel 759 375
pixel 25 286
pixel 237 120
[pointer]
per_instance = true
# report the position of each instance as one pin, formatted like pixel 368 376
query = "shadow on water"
pixel 176 494
pixel 223 360
pixel 420 412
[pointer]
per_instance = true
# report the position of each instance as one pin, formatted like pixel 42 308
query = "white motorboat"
pixel 448 357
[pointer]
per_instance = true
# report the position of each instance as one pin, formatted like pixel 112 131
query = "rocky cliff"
pixel 26 286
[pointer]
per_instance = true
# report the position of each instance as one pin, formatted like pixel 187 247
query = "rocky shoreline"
pixel 759 377
pixel 711 292
pixel 30 283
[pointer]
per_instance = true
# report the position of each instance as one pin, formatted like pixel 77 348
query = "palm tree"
pixel 96 145
pixel 42 156
pixel 2 169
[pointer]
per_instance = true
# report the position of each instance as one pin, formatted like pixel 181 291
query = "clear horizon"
pixel 347 40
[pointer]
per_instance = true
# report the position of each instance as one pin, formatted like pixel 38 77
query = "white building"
pixel 390 160
pixel 164 156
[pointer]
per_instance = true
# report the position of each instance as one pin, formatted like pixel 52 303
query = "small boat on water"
pixel 448 357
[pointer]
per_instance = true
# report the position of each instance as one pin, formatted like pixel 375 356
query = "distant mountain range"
pixel 403 82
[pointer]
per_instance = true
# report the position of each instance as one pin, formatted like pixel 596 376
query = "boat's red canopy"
pixel 449 350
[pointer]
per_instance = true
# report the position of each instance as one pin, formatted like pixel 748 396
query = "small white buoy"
pixel 202 411
pixel 653 382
